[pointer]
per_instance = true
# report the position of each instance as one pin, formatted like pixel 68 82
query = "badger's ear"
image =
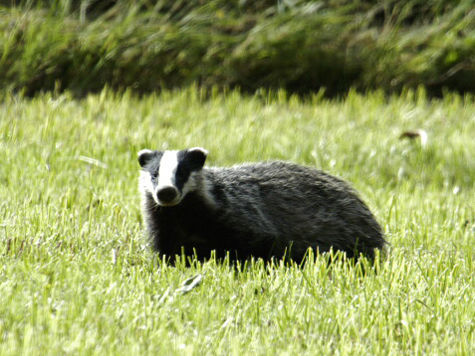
pixel 196 157
pixel 144 156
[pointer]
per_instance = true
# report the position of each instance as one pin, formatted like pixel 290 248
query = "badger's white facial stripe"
pixel 167 171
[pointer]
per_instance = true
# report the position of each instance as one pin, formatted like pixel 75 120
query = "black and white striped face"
pixel 169 175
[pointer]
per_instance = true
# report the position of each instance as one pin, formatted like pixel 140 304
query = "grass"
pixel 76 276
pixel 303 46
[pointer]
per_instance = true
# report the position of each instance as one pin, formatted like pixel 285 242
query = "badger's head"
pixel 169 175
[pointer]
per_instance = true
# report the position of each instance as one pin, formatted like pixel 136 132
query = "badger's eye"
pixel 154 175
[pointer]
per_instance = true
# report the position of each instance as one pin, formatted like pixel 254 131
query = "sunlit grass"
pixel 76 275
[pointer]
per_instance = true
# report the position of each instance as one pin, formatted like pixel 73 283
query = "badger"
pixel 272 209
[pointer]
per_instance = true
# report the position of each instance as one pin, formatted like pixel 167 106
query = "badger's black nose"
pixel 167 194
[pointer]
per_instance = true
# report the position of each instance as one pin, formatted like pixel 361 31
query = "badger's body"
pixel 269 209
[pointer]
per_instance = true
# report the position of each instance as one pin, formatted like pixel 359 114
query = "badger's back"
pixel 294 207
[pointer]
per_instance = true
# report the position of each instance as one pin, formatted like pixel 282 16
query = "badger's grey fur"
pixel 269 209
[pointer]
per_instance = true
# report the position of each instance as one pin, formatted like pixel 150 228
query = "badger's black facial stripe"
pixel 183 170
pixel 188 162
pixel 152 163
pixel 146 156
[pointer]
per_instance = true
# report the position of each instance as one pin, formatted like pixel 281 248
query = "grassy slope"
pixel 76 276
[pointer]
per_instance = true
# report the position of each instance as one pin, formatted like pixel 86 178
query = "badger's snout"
pixel 167 195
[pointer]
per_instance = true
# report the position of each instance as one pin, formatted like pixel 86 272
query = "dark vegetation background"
pixel 302 46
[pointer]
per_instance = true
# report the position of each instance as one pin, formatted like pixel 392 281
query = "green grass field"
pixel 77 277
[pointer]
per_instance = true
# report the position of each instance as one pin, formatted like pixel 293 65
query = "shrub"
pixel 301 46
